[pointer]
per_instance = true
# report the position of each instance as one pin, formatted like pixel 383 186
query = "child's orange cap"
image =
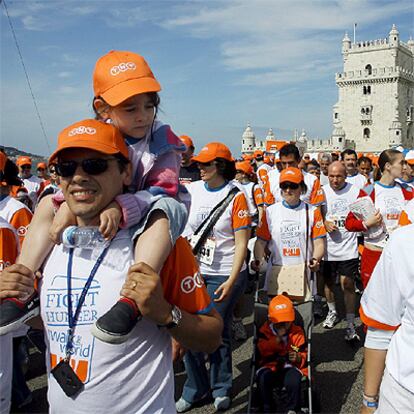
pixel 94 135
pixel 23 160
pixel 118 75
pixel 281 309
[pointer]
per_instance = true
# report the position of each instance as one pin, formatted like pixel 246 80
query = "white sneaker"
pixel 331 320
pixel 183 405
pixel 222 403
pixel 351 334
pixel 239 331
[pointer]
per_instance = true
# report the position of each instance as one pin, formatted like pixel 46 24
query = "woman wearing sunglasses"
pixel 283 228
pixel 222 267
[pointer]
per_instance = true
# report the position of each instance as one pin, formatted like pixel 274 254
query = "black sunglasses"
pixel 287 184
pixel 26 167
pixel 205 164
pixel 92 166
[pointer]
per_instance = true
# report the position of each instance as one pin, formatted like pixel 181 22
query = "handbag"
pixel 199 237
pixel 291 280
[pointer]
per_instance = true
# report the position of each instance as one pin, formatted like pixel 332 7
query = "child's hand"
pixel 294 356
pixel 63 218
pixel 110 218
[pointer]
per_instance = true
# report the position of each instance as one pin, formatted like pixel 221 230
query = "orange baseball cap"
pixel 245 167
pixel 41 165
pixel 258 154
pixel 24 160
pixel 281 309
pixel 409 157
pixel 247 157
pixel 91 134
pixel 187 141
pixel 292 175
pixel 118 75
pixel 212 151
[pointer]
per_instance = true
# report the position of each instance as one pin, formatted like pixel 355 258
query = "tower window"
pixel 336 115
pixel 367 90
pixel 366 133
pixel 368 68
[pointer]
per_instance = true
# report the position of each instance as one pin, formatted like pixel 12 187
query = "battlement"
pixel 378 44
pixel 378 74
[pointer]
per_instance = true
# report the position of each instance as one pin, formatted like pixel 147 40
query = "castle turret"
pixel 410 44
pixel 248 141
pixel 394 37
pixel 338 138
pixel 270 135
pixel 346 43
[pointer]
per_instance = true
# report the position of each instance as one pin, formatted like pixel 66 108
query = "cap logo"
pixel 290 172
pixel 204 149
pixel 122 67
pixel 281 306
pixel 80 130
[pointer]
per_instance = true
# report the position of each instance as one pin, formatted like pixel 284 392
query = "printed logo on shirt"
pixel 122 67
pixel 290 237
pixel 55 309
pixel 190 283
pixel 392 208
pixel 4 264
pixel 243 214
pixel 21 231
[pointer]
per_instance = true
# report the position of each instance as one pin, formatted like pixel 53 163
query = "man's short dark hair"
pixel 290 149
pixel 348 151
pixel 364 159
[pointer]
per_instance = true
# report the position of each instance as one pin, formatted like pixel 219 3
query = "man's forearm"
pixel 199 333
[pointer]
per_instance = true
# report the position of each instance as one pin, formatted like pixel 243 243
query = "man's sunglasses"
pixel 91 166
pixel 284 186
pixel 26 167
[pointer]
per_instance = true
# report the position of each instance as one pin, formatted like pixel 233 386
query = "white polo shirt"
pixel 358 180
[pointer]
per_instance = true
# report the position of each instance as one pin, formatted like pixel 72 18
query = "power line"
pixel 27 76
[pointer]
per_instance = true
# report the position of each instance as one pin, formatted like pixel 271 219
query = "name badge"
pixel 206 254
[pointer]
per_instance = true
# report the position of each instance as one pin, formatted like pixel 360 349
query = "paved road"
pixel 337 364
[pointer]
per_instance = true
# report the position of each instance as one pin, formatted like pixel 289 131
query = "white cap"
pixel 409 157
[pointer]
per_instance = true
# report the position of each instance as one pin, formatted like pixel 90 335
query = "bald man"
pixel 341 257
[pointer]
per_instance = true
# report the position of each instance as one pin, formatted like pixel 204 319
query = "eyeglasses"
pixel 26 167
pixel 205 164
pixel 284 186
pixel 91 166
pixel 40 169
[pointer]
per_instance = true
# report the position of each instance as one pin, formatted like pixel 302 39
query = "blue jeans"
pixel 197 384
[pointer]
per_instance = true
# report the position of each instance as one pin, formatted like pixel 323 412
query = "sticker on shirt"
pixel 55 309
pixel 290 237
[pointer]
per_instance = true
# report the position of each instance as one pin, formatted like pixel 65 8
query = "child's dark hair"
pixel 155 100
pixel 226 168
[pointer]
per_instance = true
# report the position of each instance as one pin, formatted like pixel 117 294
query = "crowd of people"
pixel 181 237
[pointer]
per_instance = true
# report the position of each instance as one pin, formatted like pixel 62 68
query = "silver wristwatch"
pixel 176 318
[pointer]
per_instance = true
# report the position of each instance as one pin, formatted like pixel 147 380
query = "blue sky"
pixel 221 63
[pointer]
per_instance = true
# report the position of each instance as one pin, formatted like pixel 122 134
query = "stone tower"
pixel 248 141
pixel 376 94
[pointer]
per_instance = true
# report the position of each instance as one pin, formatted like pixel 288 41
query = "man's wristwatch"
pixel 176 318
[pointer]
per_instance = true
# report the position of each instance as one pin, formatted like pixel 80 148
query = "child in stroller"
pixel 282 355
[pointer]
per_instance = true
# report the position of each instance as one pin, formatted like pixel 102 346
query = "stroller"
pixel 303 318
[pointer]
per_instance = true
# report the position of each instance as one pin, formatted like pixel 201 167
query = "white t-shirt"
pixel 32 185
pixel 391 202
pixel 247 189
pixel 134 377
pixel 341 244
pixel 235 217
pixel 358 180
pixel 262 174
pixel 284 227
pixel 389 300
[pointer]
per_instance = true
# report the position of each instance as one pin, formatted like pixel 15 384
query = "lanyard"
pixel 73 318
